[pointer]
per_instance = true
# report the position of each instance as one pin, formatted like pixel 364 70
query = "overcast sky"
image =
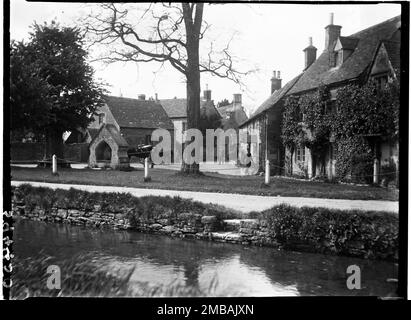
pixel 267 36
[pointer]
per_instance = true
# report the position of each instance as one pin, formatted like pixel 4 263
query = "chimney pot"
pixel 276 82
pixel 237 99
pixel 310 53
pixel 332 33
pixel 207 94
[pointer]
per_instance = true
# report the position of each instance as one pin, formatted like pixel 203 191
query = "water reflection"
pixel 230 270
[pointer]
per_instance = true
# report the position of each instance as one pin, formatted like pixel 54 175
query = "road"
pixel 238 202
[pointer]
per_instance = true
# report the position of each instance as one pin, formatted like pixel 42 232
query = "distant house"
pixel 176 110
pixel 233 114
pixel 120 124
pixel 372 54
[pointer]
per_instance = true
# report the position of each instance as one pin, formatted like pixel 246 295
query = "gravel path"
pixel 240 202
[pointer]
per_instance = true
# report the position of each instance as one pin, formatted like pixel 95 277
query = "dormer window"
pixel 344 47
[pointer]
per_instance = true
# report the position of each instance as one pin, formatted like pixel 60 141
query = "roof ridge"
pixel 376 25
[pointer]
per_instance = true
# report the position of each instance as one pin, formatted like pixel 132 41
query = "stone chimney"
pixel 237 99
pixel 207 94
pixel 275 81
pixel 310 53
pixel 141 97
pixel 156 96
pixel 332 32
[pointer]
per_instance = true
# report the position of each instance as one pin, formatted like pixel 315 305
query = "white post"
pixel 54 164
pixel 267 172
pixel 375 173
pixel 146 176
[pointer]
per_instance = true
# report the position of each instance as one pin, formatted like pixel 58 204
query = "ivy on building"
pixel 311 120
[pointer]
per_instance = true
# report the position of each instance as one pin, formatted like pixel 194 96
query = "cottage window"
pixel 148 139
pixel 300 154
pixel 184 124
pixel 331 106
pixel 381 81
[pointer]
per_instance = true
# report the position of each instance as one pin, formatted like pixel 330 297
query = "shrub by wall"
pixel 355 233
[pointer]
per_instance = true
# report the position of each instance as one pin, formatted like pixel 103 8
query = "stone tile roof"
pixel 177 108
pixel 349 43
pixel 273 99
pixel 394 52
pixel 321 73
pixel 134 113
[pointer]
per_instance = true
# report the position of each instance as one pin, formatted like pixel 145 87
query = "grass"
pixel 207 182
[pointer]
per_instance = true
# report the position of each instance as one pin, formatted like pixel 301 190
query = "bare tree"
pixel 167 32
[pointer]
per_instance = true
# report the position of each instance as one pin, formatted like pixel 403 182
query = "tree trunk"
pixel 193 90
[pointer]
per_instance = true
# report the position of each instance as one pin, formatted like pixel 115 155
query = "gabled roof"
pixel 238 113
pixel 320 72
pixel 115 134
pixel 177 108
pixel 135 113
pixel 273 99
pixel 347 43
pixel 393 50
pixel 208 108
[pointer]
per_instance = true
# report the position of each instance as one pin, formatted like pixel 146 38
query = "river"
pixel 215 269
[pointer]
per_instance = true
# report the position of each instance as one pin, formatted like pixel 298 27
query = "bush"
pixel 360 233
pixel 388 173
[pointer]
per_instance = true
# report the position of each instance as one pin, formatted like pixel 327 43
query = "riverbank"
pixel 352 233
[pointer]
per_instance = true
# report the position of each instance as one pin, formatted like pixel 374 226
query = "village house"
pixel 266 123
pixel 372 54
pixel 176 110
pixel 121 124
pixel 232 115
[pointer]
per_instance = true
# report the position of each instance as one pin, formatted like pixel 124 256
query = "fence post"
pixel 267 172
pixel 54 165
pixel 146 176
pixel 375 173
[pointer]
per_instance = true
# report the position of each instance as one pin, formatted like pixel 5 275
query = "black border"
pixel 259 302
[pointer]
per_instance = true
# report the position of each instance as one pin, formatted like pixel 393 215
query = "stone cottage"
pixel 372 54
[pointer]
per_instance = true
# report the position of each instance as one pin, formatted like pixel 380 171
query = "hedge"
pixel 367 234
